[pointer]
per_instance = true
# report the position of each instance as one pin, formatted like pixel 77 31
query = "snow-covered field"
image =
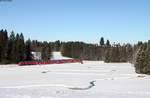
pixel 93 79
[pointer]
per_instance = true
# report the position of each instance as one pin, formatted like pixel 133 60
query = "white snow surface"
pixel 92 79
pixel 58 56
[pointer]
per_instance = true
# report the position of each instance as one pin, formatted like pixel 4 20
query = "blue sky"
pixel 124 21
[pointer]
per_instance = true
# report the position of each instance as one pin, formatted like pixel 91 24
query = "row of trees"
pixel 103 51
pixel 119 53
pixel 138 54
pixel 45 48
pixel 84 51
pixel 142 64
pixel 13 48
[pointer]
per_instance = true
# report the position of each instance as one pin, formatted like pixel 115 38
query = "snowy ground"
pixel 93 79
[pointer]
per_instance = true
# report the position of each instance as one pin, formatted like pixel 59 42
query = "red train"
pixel 49 62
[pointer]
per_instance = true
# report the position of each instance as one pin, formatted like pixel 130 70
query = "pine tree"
pixel 3 46
pixel 57 45
pixel 107 43
pixel 28 55
pixel 102 41
pixel 17 48
pixel 21 47
pixel 11 48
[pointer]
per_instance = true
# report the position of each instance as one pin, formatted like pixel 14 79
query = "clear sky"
pixel 78 20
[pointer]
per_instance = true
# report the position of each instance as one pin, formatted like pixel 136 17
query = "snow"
pixel 57 56
pixel 92 79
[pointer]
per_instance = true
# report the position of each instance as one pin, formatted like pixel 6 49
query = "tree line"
pixel 137 54
pixel 15 48
pixel 103 51
pixel 142 64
